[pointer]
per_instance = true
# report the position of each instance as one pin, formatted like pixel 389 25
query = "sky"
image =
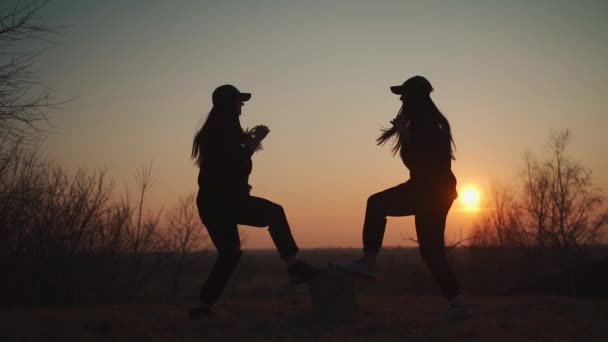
pixel 506 74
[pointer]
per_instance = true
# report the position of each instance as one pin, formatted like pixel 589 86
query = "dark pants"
pixel 430 202
pixel 221 216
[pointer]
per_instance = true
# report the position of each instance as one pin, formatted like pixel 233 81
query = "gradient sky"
pixel 506 74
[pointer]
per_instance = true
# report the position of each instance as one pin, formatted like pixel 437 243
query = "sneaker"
pixel 201 311
pixel 456 313
pixel 358 268
pixel 301 272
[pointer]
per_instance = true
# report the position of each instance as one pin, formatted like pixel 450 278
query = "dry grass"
pixel 289 318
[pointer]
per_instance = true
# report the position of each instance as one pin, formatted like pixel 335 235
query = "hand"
pixel 258 133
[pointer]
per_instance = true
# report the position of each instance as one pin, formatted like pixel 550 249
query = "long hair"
pixel 219 127
pixel 419 109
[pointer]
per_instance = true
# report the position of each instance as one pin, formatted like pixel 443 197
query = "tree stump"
pixel 333 296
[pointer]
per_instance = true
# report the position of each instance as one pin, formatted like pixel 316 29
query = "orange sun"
pixel 470 198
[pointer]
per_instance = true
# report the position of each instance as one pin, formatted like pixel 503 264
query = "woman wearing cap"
pixel 424 141
pixel 223 151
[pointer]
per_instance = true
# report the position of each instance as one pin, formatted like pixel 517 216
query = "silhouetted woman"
pixel 223 151
pixel 424 141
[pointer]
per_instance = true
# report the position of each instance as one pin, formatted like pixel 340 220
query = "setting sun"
pixel 470 197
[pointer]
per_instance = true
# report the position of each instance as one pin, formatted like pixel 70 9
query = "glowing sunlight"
pixel 470 198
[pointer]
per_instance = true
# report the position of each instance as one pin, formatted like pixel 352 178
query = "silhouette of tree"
pixel 24 99
pixel 558 208
pixel 144 238
pixel 562 208
pixel 501 225
pixel 186 234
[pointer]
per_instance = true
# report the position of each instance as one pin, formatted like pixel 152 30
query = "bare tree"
pixel 536 198
pixel 186 234
pixel 144 239
pixel 65 239
pixel 563 208
pixel 500 224
pixel 24 99
pixel 558 208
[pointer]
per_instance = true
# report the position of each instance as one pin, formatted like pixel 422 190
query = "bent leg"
pixel 396 201
pixel 260 212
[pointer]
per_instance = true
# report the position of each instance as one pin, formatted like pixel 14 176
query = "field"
pixel 289 318
pixel 257 305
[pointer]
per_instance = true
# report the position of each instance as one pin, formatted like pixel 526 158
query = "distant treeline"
pixel 65 238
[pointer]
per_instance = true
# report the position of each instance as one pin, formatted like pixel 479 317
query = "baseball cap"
pixel 416 85
pixel 228 92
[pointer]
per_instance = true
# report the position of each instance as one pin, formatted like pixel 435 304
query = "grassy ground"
pixel 290 318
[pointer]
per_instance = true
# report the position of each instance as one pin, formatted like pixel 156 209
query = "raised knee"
pixel 373 201
pixel 278 210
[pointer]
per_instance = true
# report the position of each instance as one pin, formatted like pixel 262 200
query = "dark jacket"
pixel 225 169
pixel 425 151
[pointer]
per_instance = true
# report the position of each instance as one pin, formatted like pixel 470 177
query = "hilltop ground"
pixel 289 318
pixel 257 305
